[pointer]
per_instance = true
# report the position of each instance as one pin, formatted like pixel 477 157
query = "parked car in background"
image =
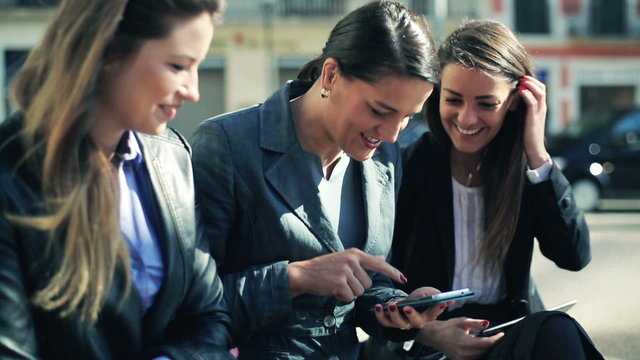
pixel 600 156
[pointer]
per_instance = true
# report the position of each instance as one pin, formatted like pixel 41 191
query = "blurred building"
pixel 586 51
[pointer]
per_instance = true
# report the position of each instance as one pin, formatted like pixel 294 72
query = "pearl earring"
pixel 324 93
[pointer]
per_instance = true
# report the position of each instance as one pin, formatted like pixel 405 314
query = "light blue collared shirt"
pixel 138 218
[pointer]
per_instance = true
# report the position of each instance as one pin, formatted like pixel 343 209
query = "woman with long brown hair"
pixel 97 233
pixel 477 188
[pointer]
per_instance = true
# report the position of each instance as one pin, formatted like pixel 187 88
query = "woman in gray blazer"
pixel 297 195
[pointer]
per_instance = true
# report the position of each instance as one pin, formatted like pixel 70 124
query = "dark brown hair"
pixel 378 39
pixel 491 47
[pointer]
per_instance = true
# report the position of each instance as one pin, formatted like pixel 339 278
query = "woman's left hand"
pixel 534 94
pixel 408 317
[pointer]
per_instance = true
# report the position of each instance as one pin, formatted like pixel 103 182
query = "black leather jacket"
pixel 189 317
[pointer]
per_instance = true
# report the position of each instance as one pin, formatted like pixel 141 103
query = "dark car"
pixel 600 156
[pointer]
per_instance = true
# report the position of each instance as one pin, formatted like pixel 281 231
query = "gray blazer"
pixel 260 209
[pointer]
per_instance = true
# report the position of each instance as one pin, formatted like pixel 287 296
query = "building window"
pixel 312 7
pixel 532 16
pixel 463 8
pixel 424 7
pixel 606 97
pixel 607 17
pixel 455 8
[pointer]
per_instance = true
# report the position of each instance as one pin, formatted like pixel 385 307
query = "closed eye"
pixel 177 67
pixel 453 100
pixel 378 112
pixel 488 106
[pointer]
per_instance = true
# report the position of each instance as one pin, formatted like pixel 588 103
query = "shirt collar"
pixel 128 148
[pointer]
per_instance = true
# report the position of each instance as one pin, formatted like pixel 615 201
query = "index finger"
pixel 379 264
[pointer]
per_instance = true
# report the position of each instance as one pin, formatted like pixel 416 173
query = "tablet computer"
pixel 423 303
pixel 501 327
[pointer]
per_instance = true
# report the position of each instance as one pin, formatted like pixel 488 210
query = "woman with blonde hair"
pixel 97 232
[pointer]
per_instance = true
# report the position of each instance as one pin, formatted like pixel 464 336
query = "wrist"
pixel 294 275
pixel 427 335
pixel 537 158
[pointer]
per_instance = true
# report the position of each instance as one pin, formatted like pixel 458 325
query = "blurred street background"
pixel 587 52
pixel 607 289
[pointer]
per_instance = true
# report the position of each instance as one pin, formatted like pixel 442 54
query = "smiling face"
pixel 142 92
pixel 473 106
pixel 362 115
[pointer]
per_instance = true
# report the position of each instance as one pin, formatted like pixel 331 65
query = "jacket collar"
pixel 277 132
pixel 299 188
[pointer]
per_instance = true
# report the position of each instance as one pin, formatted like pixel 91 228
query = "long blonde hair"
pixel 56 92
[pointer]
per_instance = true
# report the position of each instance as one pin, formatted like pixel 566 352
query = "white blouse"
pixel 468 212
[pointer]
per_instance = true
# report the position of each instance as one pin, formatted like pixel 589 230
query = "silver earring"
pixel 324 93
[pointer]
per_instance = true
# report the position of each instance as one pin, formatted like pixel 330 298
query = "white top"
pixel 468 210
pixel 341 199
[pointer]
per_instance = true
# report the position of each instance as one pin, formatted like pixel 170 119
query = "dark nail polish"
pixel 407 310
pixel 403 278
pixel 443 306
pixel 378 308
pixel 522 87
pixel 484 323
pixel 393 307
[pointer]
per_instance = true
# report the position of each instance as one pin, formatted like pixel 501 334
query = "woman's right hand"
pixel 453 339
pixel 342 275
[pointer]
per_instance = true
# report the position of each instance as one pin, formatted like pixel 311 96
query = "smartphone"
pixel 423 303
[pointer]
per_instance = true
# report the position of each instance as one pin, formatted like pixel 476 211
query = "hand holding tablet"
pixel 504 326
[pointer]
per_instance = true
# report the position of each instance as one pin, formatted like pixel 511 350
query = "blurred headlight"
pixel 595 169
pixel 560 162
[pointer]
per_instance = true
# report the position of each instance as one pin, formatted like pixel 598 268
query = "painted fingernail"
pixel 523 79
pixel 378 308
pixel 403 278
pixel 443 306
pixel 484 323
pixel 393 307
pixel 522 87
pixel 407 310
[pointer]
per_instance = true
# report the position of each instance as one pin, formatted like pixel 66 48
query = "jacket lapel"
pixel 286 166
pixel 299 190
pixel 374 180
pixel 164 182
pixel 441 191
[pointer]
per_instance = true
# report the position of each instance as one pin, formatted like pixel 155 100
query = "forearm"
pixel 257 297
pixel 201 326
pixel 560 226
